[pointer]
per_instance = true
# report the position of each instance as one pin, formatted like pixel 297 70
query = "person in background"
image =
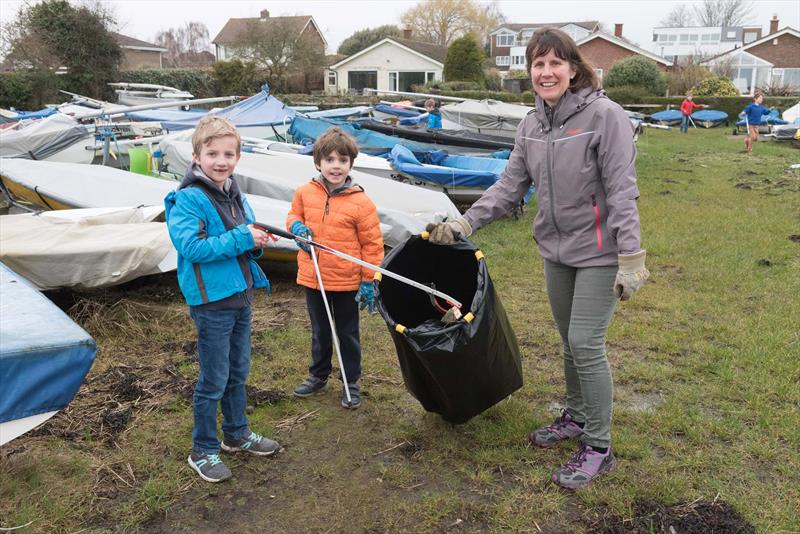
pixel 753 113
pixel 577 148
pixel 687 107
pixel 335 211
pixel 211 225
pixel 434 114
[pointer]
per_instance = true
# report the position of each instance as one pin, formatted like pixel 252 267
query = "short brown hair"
pixel 757 94
pixel 210 128
pixel 565 48
pixel 334 140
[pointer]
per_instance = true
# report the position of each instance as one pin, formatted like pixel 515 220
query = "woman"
pixel 577 148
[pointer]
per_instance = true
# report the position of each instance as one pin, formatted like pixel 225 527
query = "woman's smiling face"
pixel 551 76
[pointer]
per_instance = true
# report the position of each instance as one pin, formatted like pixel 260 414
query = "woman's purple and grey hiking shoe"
pixel 562 428
pixel 585 465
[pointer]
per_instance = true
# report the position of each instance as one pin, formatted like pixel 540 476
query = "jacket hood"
pixel 195 176
pixel 348 184
pixel 570 104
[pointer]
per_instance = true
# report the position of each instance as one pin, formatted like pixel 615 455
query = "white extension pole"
pixel 332 324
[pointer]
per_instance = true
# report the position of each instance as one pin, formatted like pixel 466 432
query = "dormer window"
pixel 506 39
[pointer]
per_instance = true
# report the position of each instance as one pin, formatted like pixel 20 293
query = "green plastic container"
pixel 140 160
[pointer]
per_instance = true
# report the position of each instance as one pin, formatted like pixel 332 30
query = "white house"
pixel 392 64
pixel 680 43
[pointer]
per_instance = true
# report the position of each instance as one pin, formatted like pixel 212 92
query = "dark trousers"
pixel 345 314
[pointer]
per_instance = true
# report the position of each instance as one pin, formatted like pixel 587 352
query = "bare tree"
pixel 723 12
pixel 442 21
pixel 183 43
pixel 679 17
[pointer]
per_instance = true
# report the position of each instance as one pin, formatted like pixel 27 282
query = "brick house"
pixel 305 26
pixel 602 50
pixel 772 61
pixel 507 43
pixel 138 54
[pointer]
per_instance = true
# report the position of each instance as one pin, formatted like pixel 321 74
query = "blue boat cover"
pixel 44 355
pixel 261 109
pixel 42 113
pixel 450 171
pixel 396 111
pixel 162 115
pixel 711 115
pixel 411 121
pixel 667 115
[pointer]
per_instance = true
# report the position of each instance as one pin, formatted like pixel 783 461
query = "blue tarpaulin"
pixel 667 116
pixel 396 110
pixel 710 117
pixel 44 355
pixel 162 115
pixel 261 109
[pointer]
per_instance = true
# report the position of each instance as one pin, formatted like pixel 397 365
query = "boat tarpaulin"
pixel 166 115
pixel 398 111
pixel 710 117
pixel 43 138
pixel 465 171
pixel 44 355
pixel 668 116
pixel 463 138
pixel 96 250
pixel 485 116
pixel 340 113
pixel 457 370
pixel 261 109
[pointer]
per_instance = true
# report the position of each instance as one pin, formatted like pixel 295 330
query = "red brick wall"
pixel 786 54
pixel 499 51
pixel 602 54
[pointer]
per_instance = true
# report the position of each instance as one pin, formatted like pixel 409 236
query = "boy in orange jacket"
pixel 335 211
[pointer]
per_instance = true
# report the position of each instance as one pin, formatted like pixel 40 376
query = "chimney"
pixel 264 14
pixel 773 24
pixel 407 33
pixel 617 30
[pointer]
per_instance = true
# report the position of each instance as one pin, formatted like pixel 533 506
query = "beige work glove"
pixel 447 233
pixel 631 276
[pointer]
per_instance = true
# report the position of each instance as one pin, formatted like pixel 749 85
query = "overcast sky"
pixel 340 18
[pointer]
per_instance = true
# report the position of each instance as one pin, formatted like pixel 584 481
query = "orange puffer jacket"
pixel 345 220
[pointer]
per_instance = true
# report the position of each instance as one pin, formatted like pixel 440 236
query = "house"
pixel 602 50
pixel 680 44
pixel 304 26
pixel 772 61
pixel 137 54
pixel 507 43
pixel 393 64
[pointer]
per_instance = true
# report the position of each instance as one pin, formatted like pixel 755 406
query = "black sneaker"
pixel 254 444
pixel 209 467
pixel 311 386
pixel 355 396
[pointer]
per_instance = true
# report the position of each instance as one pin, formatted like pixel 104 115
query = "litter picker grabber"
pixel 451 315
pixel 332 325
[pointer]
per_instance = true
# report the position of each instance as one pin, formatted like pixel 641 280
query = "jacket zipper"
pixel 550 145
pixel 597 228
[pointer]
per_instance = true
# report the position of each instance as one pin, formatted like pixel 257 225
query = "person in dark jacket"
pixel 577 149
pixel 211 225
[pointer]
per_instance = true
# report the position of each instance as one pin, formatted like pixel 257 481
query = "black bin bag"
pixel 457 370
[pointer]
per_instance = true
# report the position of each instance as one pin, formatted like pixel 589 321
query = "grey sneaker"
pixel 311 386
pixel 355 396
pixel 254 444
pixel 564 427
pixel 585 465
pixel 209 467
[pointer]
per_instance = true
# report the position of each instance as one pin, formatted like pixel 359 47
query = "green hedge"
pixel 30 90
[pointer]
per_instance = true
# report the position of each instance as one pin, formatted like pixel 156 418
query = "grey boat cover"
pixel 484 116
pixel 95 186
pixel 404 210
pixel 43 138
pixel 86 249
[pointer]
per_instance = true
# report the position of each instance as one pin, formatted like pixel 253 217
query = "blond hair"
pixel 210 128
pixel 335 140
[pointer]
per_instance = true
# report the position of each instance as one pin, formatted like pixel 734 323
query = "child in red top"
pixel 687 107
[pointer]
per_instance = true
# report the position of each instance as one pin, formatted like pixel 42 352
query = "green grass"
pixel 706 362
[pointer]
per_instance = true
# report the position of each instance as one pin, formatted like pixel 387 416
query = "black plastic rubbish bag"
pixel 457 370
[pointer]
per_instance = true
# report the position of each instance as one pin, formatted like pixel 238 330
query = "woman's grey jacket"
pixel 582 164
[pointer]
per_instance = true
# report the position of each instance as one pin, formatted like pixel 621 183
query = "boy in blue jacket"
pixel 210 224
pixel 753 112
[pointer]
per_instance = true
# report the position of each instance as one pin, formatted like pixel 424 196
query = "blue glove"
pixel 302 230
pixel 366 296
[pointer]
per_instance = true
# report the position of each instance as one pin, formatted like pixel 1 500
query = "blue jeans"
pixel 685 123
pixel 223 346
pixel 345 315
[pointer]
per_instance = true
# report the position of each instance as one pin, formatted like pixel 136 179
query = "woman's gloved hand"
pixel 448 232
pixel 366 296
pixel 301 230
pixel 631 276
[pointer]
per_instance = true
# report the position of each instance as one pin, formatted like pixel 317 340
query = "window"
pixel 694 37
pixel 430 76
pixel 332 77
pixel 505 39
pixel 502 61
pixel 791 77
pixel 673 38
pixel 518 60
pixel 684 38
pixel 749 37
pixel 663 37
pixel 731 35
pixel 710 38
pixel 599 74
pixel 393 81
